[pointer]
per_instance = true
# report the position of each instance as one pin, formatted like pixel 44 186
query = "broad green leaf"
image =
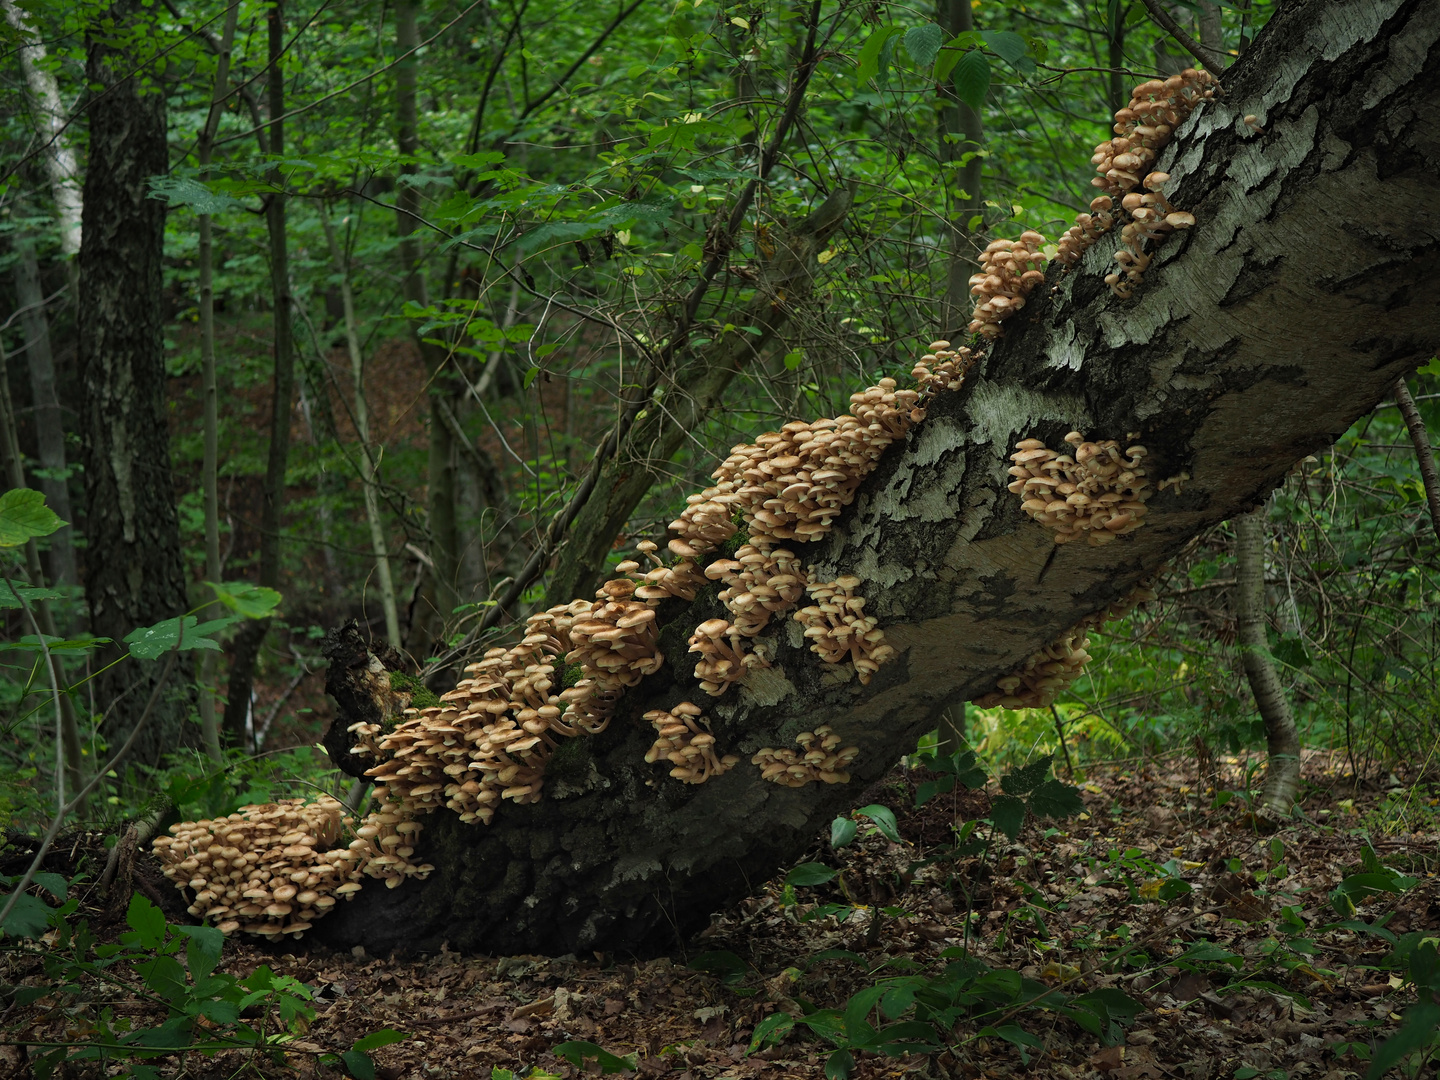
pixel 54 884
pixel 1027 778
pixel 923 43
pixel 164 976
pixel 1010 47
pixel 1008 814
pixel 809 873
pixel 202 951
pixel 24 516
pixel 147 923
pixel 972 79
pixel 150 642
pixel 57 645
pixel 884 819
pixel 927 790
pixel 189 192
pixel 842 831
pixel 358 1064
pixel 1056 799
pixel 28 918
pixel 377 1039
pixel 1417 1032
pixel 243 598
pixel 577 1052
pixel 870 53
pixel 770 1031
pixel 839 1065
pixel 10 597
pixel 951 53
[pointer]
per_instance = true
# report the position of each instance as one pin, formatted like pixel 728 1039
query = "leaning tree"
pixel 1309 281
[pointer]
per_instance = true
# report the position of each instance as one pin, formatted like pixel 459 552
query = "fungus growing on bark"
pixel 1045 673
pixel 269 869
pixel 723 659
pixel 941 368
pixel 820 757
pixel 1098 492
pixel 838 628
pixel 683 739
pixel 1009 269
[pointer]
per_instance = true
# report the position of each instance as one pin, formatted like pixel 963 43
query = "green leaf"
pixel 793 359
pixel 926 791
pixel 358 1065
pixel 10 597
pixel 377 1039
pixel 57 645
pixel 165 976
pixel 54 884
pixel 951 53
pixel 884 819
pixel 1011 48
pixel 189 192
pixel 1056 799
pixel 150 642
pixel 243 598
pixel 28 918
pixel 1417 1032
pixel 202 951
pixel 146 921
pixel 972 79
pixel 771 1030
pixel 870 53
pixel 809 873
pixel 1024 780
pixel 923 43
pixel 24 516
pixel 1008 814
pixel 577 1052
pixel 842 831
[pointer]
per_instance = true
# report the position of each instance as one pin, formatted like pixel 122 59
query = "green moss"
pixel 421 696
pixel 570 762
pixel 737 541
pixel 570 674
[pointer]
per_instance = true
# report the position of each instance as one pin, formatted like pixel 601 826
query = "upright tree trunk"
pixel 51 118
pixel 360 411
pixel 134 573
pixel 440 496
pixel 1320 230
pixel 49 421
pixel 252 634
pixel 962 138
pixel 210 466
pixel 1282 741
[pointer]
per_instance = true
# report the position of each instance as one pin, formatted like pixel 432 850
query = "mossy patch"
pixel 570 763
pixel 421 696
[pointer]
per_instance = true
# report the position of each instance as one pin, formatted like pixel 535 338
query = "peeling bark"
pixel 1311 281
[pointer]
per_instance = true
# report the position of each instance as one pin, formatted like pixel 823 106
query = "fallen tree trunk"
pixel 1310 283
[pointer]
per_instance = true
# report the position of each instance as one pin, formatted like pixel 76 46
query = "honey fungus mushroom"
pixel 1097 492
pixel 838 628
pixel 1009 270
pixel 820 757
pixel 684 740
pixel 270 870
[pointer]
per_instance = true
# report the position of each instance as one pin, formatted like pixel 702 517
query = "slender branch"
pixel 1423 453
pixel 1207 57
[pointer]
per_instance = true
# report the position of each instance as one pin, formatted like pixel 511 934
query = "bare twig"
pixel 1207 57
pixel 1423 453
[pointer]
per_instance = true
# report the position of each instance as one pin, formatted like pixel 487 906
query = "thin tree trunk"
pixel 14 473
pixel 209 469
pixel 134 572
pixel 49 421
pixel 962 138
pixel 440 497
pixel 1415 424
pixel 361 414
pixel 51 118
pixel 1282 741
pixel 252 635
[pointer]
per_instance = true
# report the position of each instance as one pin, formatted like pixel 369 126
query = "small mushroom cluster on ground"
pixel 838 628
pixel 1045 673
pixel 942 367
pixel 820 757
pixel 1142 130
pixel 270 870
pixel 1009 269
pixel 683 738
pixel 1096 492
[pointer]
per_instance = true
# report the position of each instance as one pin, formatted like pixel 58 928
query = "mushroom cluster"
pixel 683 738
pixel 384 843
pixel 1142 129
pixel 270 870
pixel 942 368
pixel 820 757
pixel 758 584
pixel 1009 269
pixel 1045 673
pixel 1097 492
pixel 838 628
pixel 723 659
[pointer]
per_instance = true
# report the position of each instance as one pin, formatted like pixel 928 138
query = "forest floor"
pixel 1238 977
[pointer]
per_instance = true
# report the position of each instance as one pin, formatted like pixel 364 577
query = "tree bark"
pixel 49 421
pixel 1282 741
pixel 252 634
pixel 1310 282
pixel 134 574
